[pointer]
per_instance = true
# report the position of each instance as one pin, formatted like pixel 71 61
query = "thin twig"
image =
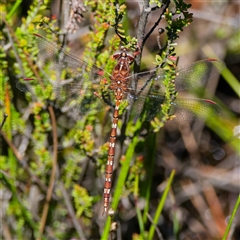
pixel 216 210
pixel 141 33
pixel 156 23
pixel 15 52
pixel 141 36
pixel 71 212
pixel 53 173
pixel 3 121
pixel 11 145
pixel 156 227
pixel 21 160
pixel 6 232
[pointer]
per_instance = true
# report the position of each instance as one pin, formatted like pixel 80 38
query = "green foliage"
pixel 69 180
pixel 136 173
pixel 158 3
pixel 161 204
pixel 167 59
pixel 82 201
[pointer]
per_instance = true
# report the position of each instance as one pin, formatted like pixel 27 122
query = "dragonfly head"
pixel 124 53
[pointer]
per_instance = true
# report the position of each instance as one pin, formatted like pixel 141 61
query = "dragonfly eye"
pixel 130 57
pixel 117 54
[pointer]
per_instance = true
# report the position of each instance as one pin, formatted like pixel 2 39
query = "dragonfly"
pixel 77 91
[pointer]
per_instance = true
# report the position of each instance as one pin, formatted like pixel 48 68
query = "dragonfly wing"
pixel 190 76
pixel 140 83
pixel 186 109
pixel 70 96
pixel 61 60
pixel 150 103
pixel 149 92
pixel 197 74
pixel 75 92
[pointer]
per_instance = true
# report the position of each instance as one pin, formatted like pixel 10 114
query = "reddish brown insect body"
pixel 119 86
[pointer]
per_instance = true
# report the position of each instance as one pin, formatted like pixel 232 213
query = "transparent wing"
pixel 65 65
pixel 185 109
pixel 69 95
pixel 61 60
pixel 197 74
pixel 150 88
pixel 77 91
pixel 188 77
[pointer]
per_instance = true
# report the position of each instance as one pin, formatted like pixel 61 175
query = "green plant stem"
pixel 160 206
pixel 231 218
pixel 228 76
pixel 139 215
pixel 176 225
pixel 13 9
pixel 151 151
pixel 9 183
pixel 231 80
pixel 226 132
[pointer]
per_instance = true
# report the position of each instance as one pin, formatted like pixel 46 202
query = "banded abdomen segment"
pixel 110 161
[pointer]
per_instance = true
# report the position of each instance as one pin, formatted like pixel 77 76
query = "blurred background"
pixel 44 196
